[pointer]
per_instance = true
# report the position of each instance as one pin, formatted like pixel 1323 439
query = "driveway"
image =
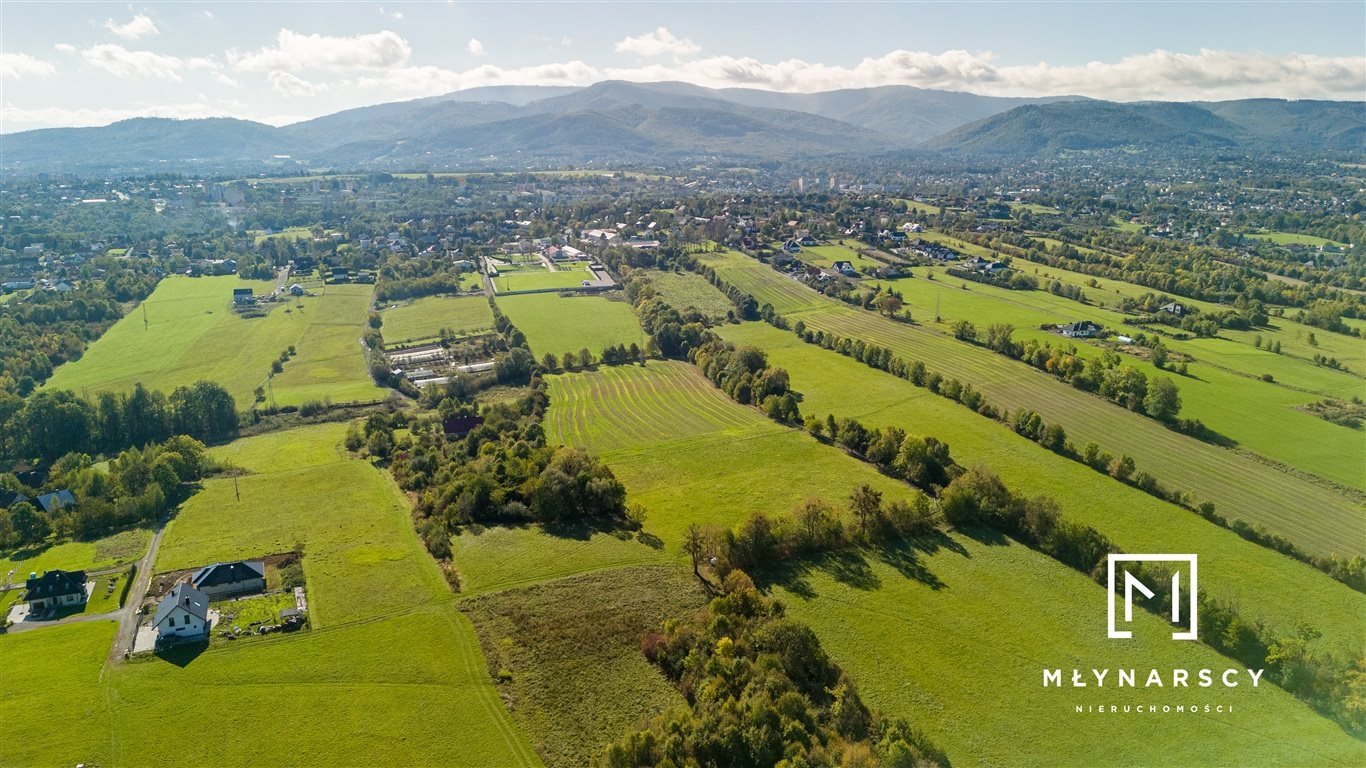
pixel 128 614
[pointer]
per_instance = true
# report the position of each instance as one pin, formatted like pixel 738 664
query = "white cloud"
pixel 475 47
pixel 287 84
pixel 64 48
pixel 430 81
pixel 223 79
pixel 21 66
pixel 657 43
pixel 294 52
pixel 139 27
pixel 396 15
pixel 121 62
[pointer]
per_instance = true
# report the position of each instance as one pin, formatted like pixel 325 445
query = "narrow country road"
pixel 128 614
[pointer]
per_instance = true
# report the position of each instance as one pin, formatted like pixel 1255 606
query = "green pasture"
pixel 919 207
pixel 288 233
pixel 567 277
pixel 425 317
pixel 502 557
pixel 689 454
pixel 1228 394
pixel 391 671
pixel 568 657
pixel 953 633
pixel 557 324
pixel 107 552
pixel 1294 238
pixel 1317 517
pixel 1045 210
pixel 191 333
pixel 827 255
pixel 1266 584
pixel 689 290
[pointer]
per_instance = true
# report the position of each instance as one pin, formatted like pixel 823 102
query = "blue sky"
pixel 73 63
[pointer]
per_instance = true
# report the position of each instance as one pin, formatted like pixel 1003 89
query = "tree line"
pixel 51 424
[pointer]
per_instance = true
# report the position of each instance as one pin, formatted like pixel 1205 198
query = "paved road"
pixel 281 279
pixel 128 614
pixel 79 618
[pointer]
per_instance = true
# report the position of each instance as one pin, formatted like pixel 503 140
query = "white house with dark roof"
pixel 234 578
pixel 182 614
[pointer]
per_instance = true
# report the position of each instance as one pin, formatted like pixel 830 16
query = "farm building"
pixel 55 589
pixel 242 297
pixel 1173 308
pixel 845 268
pixel 234 578
pixel 459 426
pixel 296 290
pixel 56 501
pixel 183 613
pixel 1083 329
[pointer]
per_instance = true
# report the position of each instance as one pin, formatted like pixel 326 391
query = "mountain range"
pixel 622 123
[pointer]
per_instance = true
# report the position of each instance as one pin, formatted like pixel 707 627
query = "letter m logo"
pixel 1183 600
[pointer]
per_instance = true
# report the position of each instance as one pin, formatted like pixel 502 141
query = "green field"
pixel 918 207
pixel 288 233
pixel 567 276
pixel 1265 583
pixel 689 290
pixel 690 455
pixel 1046 210
pixel 492 559
pixel 569 655
pixel 192 334
pixel 1294 238
pixel 117 549
pixel 954 636
pixel 391 671
pixel 424 318
pixel 1227 394
pixel 827 255
pixel 1318 518
pixel 557 324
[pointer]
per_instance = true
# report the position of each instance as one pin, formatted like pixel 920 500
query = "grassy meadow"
pixel 691 455
pixel 423 318
pixel 1267 584
pixel 688 290
pixel 567 655
pixel 557 324
pixel 107 552
pixel 1224 389
pixel 1312 514
pixel 954 634
pixel 390 671
pixel 536 278
pixel 1294 238
pixel 191 333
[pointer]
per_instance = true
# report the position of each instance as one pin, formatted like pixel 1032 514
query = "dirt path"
pixel 128 614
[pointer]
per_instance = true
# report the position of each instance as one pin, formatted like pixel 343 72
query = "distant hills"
pixel 620 123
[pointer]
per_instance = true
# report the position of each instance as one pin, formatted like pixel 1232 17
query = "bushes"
pixel 761 691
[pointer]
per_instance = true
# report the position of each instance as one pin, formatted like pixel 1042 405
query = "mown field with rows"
pixel 557 324
pixel 1315 516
